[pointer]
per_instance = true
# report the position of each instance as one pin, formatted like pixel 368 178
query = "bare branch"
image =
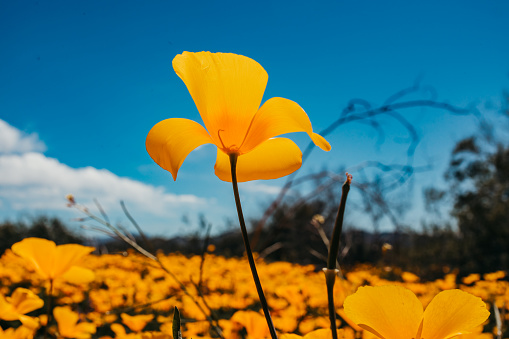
pixel 360 110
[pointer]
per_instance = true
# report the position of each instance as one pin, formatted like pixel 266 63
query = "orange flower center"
pixel 230 149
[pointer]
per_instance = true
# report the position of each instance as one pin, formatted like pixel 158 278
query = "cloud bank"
pixel 32 182
pixel 13 140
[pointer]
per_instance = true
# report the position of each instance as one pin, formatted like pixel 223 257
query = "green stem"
pixel 338 226
pixel 259 289
pixel 330 279
pixel 331 271
pixel 49 308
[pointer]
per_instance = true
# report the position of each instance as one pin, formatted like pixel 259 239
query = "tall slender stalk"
pixel 259 289
pixel 49 307
pixel 331 270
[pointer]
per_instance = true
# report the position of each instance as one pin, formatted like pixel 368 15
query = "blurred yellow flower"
pixel 253 322
pixel 409 277
pixel 155 335
pixel 136 323
pixel 227 90
pixel 68 326
pixel 22 332
pixel 395 312
pixel 471 278
pixel 21 302
pixel 494 276
pixel 52 261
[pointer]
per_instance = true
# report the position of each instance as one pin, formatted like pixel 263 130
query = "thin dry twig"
pixel 138 228
pixel 358 110
pixel 141 250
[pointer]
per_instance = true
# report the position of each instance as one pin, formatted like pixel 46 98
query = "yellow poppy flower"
pixel 395 312
pixel 227 90
pixel 68 326
pixel 52 261
pixel 21 302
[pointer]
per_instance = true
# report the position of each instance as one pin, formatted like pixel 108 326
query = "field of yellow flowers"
pixel 128 295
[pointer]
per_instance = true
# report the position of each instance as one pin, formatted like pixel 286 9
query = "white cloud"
pixel 34 181
pixel 31 182
pixel 12 140
pixel 257 187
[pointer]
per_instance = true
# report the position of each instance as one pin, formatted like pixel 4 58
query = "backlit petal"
pixel 69 255
pixel 279 116
pixel 7 310
pixel 273 159
pixel 170 141
pixel 30 324
pixel 227 90
pixel 78 275
pixel 25 301
pixel 453 312
pixel 40 252
pixel 65 318
pixel 390 312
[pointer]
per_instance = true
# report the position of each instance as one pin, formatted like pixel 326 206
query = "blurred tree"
pixel 10 233
pixel 41 227
pixel 479 182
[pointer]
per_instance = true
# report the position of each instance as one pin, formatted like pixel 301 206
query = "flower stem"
pixel 338 226
pixel 330 280
pixel 331 271
pixel 259 289
pixel 49 309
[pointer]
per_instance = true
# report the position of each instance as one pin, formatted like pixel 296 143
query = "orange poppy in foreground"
pixel 52 261
pixel 395 312
pixel 227 90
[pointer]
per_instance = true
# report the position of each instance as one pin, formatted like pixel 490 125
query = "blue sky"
pixel 82 83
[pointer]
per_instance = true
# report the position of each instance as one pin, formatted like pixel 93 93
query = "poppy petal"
pixel 68 255
pixel 25 301
pixel 7 310
pixel 451 313
pixel 273 159
pixel 390 312
pixel 279 116
pixel 170 141
pixel 30 324
pixel 227 90
pixel 78 275
pixel 40 252
pixel 66 319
